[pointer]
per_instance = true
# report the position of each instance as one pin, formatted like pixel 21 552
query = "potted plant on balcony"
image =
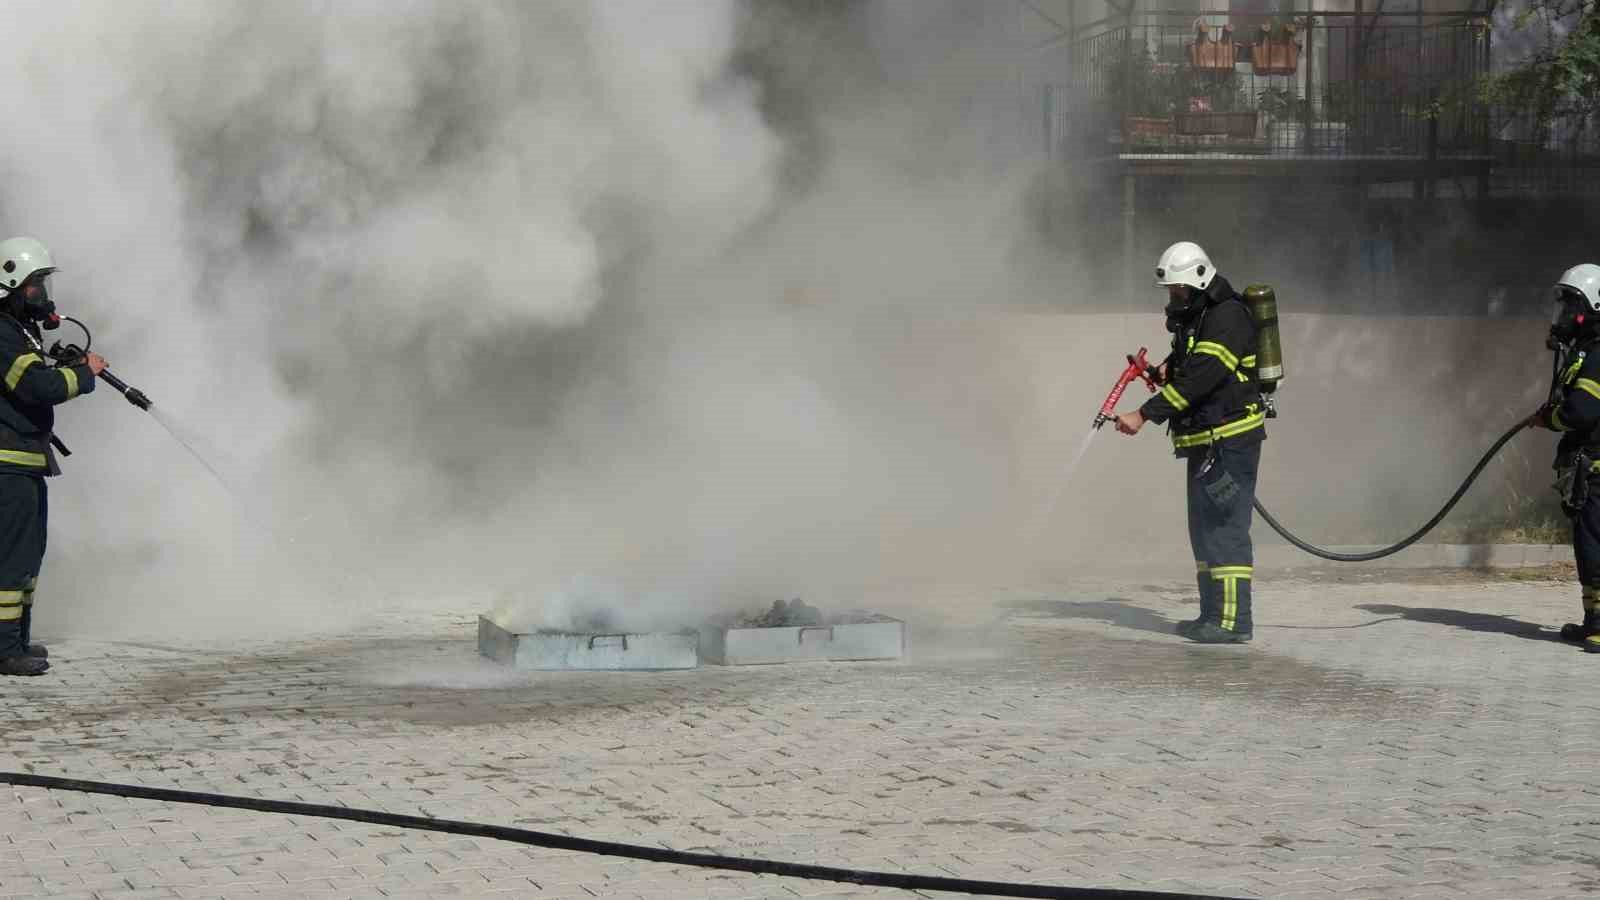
pixel 1212 53
pixel 1277 49
pixel 1218 105
pixel 1330 132
pixel 1141 91
pixel 1286 115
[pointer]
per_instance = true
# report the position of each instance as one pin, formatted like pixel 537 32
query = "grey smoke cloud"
pixel 555 309
pixel 506 302
pixel 306 228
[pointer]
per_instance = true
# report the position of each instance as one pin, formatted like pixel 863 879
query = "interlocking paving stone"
pixel 1403 735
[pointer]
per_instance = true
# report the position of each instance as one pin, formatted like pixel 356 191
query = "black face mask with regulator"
pixel 1572 323
pixel 1180 310
pixel 32 303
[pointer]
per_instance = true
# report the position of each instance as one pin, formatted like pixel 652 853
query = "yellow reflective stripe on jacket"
pixel 1232 429
pixel 19 366
pixel 1572 370
pixel 1588 386
pixel 1171 395
pixel 1212 348
pixel 1555 421
pixel 24 458
pixel 72 382
pixel 1249 362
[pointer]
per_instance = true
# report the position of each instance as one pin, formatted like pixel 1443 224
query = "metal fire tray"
pixel 547 650
pixel 877 637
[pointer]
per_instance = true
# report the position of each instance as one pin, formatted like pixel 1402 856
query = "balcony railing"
pixel 1325 85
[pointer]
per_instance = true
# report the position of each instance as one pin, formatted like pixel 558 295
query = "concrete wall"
pixel 1380 418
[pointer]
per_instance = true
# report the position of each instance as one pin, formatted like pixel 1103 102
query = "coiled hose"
pixel 1416 535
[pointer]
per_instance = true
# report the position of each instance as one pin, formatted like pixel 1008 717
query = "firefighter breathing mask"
pixel 1576 302
pixel 1570 316
pixel 36 303
pixel 1180 308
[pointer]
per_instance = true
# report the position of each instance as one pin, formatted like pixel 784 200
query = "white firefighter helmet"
pixel 1585 280
pixel 1185 263
pixel 21 257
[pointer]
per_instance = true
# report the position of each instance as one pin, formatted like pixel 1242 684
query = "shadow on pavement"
pixel 1112 610
pixel 1468 621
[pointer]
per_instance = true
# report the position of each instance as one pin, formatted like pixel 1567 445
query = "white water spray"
pixel 190 440
pixel 1057 487
pixel 187 439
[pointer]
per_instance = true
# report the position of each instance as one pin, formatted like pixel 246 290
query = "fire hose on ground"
pixel 1139 369
pixel 904 881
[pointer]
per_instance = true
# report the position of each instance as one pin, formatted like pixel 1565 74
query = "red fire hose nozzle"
pixel 1138 367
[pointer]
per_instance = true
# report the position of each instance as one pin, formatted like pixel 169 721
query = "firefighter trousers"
pixel 1221 498
pixel 24 509
pixel 1586 552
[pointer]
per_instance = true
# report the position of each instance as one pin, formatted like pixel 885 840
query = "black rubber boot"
pixel 1233 589
pixel 23 665
pixel 1579 632
pixel 1208 601
pixel 36 651
pixel 1203 582
pixel 1214 608
pixel 1212 633
pixel 12 659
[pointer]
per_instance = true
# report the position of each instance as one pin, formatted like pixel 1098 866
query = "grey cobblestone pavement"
pixel 1409 734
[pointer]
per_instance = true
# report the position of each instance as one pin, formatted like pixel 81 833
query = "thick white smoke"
pixel 302 228
pixel 507 302
pixel 623 309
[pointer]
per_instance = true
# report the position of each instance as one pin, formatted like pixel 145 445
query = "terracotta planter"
pixel 1212 55
pixel 1275 58
pixel 1276 54
pixel 1145 127
pixel 1232 124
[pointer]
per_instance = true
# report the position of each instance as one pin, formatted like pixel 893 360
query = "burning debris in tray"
pixel 796 613
pixel 587 622
pixel 781 615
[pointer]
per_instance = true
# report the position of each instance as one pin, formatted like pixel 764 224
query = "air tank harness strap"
pixel 1572 481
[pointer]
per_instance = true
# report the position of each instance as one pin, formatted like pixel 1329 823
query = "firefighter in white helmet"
pixel 1211 401
pixel 1574 410
pixel 27 418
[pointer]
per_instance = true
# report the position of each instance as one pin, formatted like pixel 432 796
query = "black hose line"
pixel 584 845
pixel 1416 535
